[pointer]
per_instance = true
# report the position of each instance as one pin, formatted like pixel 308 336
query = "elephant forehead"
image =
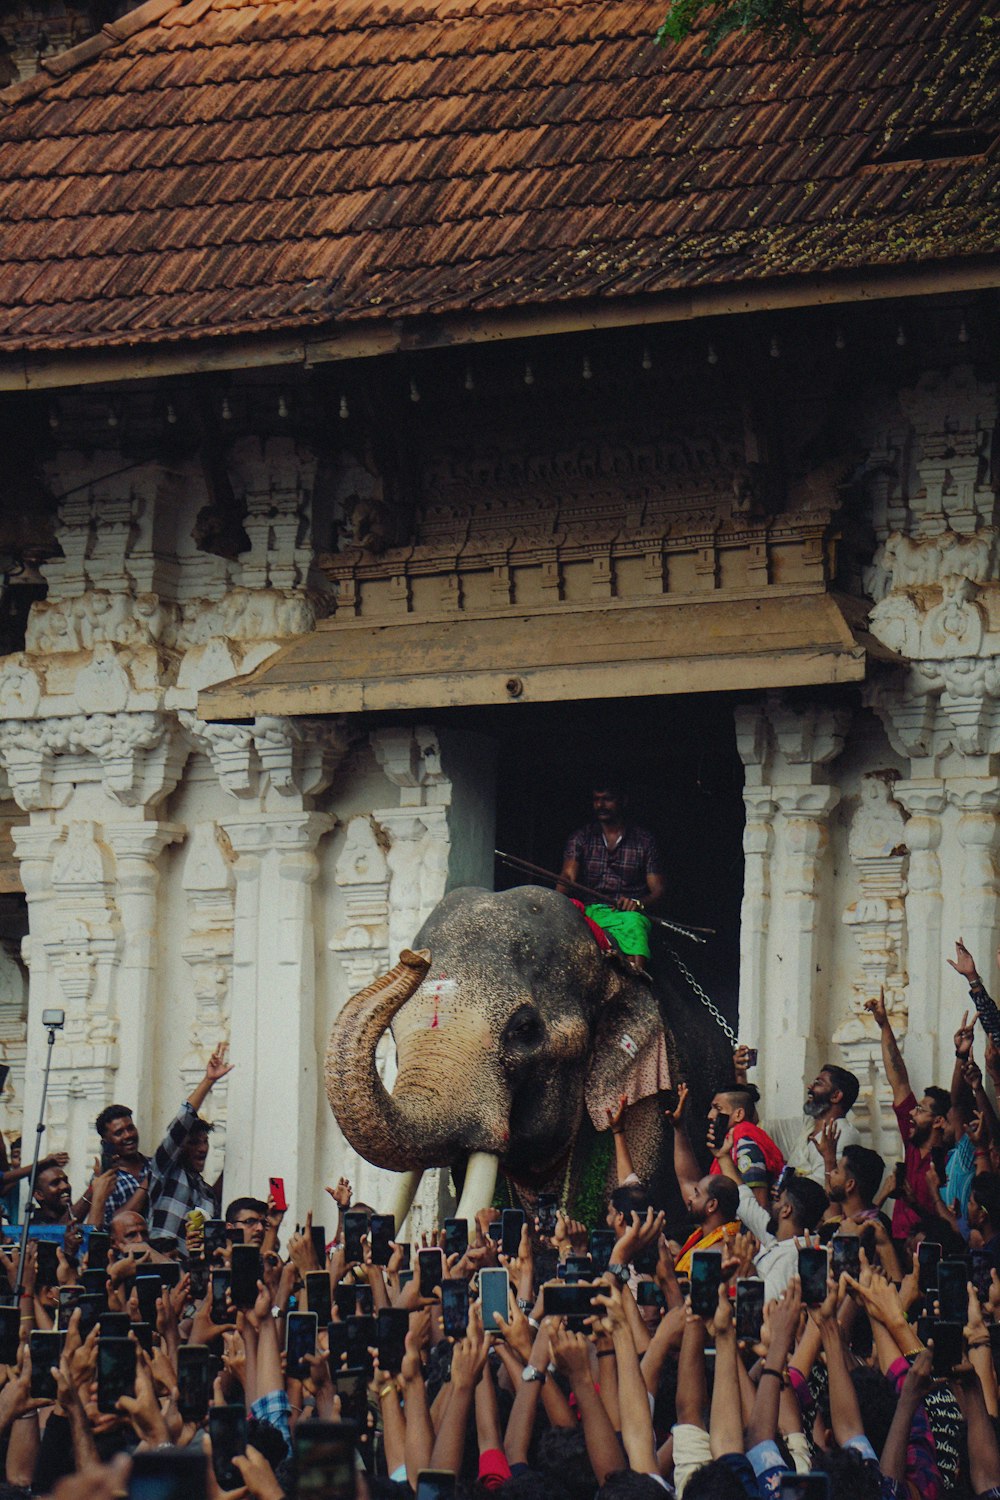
pixel 448 1007
pixel 567 1034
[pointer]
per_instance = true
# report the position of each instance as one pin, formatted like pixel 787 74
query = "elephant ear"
pixel 629 1053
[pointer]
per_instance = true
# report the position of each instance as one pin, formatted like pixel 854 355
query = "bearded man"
pixel 829 1099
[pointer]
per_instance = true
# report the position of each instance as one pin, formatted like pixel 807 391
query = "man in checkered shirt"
pixel 620 861
pixel 167 1187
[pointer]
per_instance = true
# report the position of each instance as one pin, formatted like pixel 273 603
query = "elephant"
pixel 510 1025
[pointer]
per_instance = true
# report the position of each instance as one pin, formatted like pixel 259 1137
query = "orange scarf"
pixel 701 1241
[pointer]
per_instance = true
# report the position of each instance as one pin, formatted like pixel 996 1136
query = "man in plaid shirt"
pixel 621 862
pixel 176 1184
pixel 167 1187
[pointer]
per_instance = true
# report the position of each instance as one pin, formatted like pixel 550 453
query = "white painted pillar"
pixel 924 800
pixel 273 1094
pixel 137 848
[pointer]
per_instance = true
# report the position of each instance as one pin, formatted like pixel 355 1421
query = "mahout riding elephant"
pixel 509 1025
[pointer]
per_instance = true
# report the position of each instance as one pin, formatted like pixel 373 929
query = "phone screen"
pixel 147 1291
pixel 435 1484
pixel 319 1243
pixel 194 1381
pixel 804 1487
pixel 814 1268
pixel 318 1295
pixel 494 1231
pixel 9 1330
pixel 648 1294
pixel 362 1331
pixel 175 1474
pixel 455 1308
pixel 494 1289
pixel 143 1333
pixel 220 1286
pixel 579 1268
pixel 300 1340
pixel 170 1273
pixel 602 1242
pixel 98 1250
pixel 456 1236
pixel 947 1338
pixel 391 1330
pixel 215 1237
pixel 351 1386
pixel 227 1430
pixel 953 1291
pixel 345 1300
pixel 115 1372
pixel 749 1307
pixel 336 1343
pixel 546 1266
pixel 324 1460
pixel 570 1302
pixel 720 1129
pixel 383 1233
pixel 93 1309
pixel 47 1261
pixel 355 1228
pixel 928 1260
pixel 845 1255
pixel 115 1325
pixel 706 1274
pixel 511 1223
pixel 431 1264
pixel 547 1210
pixel 46 1349
pixel 246 1270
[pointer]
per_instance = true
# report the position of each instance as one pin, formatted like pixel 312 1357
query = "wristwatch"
pixel 620 1272
pixel 529 1373
pixel 524 1304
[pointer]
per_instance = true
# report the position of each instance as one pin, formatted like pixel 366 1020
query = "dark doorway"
pixel 678 757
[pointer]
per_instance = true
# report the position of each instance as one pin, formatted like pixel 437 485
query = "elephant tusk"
pixel 480 1184
pixel 406 1191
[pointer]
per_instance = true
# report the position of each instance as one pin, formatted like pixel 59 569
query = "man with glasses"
pixel 246 1221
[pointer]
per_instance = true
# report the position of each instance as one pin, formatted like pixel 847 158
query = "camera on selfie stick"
pixel 53 1021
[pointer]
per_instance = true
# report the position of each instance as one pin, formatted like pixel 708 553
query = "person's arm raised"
pixel 686 1166
pixel 623 1156
pixel 215 1069
pixel 892 1058
pixel 633 1399
pixel 725 1428
pixel 784 1322
pixel 571 1357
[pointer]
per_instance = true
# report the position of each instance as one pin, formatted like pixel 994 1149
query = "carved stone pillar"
pixel 272 1109
pixel 786 749
pixel 137 848
pixel 209 884
pixel 918 1021
pixel 977 800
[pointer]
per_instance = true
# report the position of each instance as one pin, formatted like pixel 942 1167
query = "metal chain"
pixel 713 1010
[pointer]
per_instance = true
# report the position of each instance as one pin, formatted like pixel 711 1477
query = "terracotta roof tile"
pixel 222 166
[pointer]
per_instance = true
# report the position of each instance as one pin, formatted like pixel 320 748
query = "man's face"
pixel 128 1230
pixel 975 1213
pixel 819 1096
pixel 53 1191
pixel 121 1137
pixel 836 1182
pixel 195 1152
pixel 607 807
pixel 250 1226
pixel 699 1198
pixel 923 1121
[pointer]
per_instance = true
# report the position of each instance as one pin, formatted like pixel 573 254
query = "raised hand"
pixel 342 1193
pixel 964 1036
pixel 876 1009
pixel 616 1116
pixel 675 1116
pixel 963 963
pixel 217 1067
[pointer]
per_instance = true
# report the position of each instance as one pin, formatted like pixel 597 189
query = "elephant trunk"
pixel 369 1116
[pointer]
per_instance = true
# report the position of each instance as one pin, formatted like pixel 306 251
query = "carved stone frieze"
pixel 139 756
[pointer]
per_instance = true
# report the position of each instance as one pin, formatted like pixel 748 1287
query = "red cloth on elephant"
pixel 597 933
pixel 773 1158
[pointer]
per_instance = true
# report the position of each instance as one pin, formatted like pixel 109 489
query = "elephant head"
pixel 506 1022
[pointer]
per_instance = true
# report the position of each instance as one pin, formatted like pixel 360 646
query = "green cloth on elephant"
pixel 630 929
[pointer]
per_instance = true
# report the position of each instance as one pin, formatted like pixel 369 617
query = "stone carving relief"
pixel 362 872
pixel 210 888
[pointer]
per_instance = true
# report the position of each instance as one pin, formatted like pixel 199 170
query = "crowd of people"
pixel 820 1321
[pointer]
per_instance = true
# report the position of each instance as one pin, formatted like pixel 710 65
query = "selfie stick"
pixel 54 1020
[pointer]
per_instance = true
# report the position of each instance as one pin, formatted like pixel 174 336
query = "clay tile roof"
pixel 242 166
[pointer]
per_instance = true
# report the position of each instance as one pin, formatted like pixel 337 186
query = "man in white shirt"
pixel 797 1210
pixel 830 1096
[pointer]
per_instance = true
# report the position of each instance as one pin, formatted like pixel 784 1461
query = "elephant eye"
pixel 524 1029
